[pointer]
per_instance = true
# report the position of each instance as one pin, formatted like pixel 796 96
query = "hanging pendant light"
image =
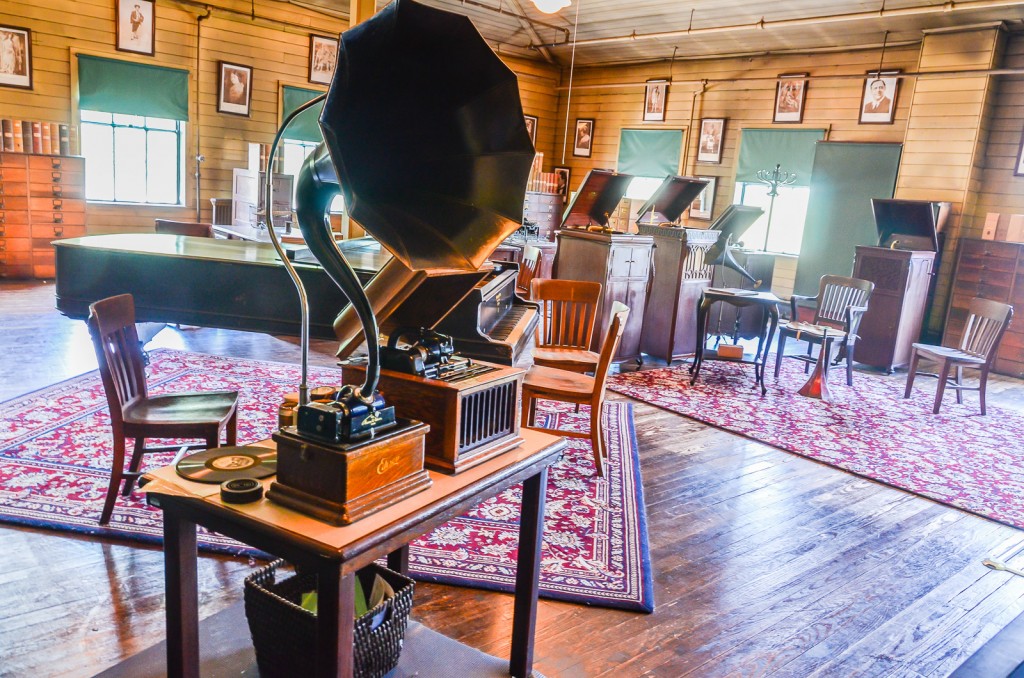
pixel 551 6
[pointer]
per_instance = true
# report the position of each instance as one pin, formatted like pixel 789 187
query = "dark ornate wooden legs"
pixel 531 531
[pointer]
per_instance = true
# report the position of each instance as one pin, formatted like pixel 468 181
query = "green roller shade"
pixel 126 87
pixel 306 127
pixel 766 148
pixel 847 175
pixel 650 152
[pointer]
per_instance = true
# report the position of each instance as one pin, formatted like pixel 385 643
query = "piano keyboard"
pixel 503 329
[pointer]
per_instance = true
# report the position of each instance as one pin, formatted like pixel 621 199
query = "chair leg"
pixel 525 419
pixel 911 372
pixel 116 473
pixel 232 430
pixel 941 389
pixel 779 353
pixel 959 382
pixel 134 466
pixel 810 351
pixel 982 383
pixel 597 437
pixel 848 354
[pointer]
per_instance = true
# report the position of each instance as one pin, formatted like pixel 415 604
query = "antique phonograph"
pixel 424 136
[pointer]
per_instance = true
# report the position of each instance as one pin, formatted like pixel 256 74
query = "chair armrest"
pixel 796 299
pixel 854 314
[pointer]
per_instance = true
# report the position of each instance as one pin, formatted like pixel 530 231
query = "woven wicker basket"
pixel 283 634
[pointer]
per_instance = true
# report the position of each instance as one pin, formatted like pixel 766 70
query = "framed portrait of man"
pixel 136 26
pixel 790 95
pixel 15 57
pixel 710 144
pixel 531 127
pixel 654 100
pixel 584 140
pixel 323 57
pixel 562 175
pixel 704 204
pixel 234 88
pixel 878 102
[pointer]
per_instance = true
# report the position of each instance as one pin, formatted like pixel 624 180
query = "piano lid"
pixel 907 224
pixel 670 199
pixel 597 198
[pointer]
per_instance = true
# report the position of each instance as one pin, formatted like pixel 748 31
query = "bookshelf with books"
pixel 36 136
pixel 42 198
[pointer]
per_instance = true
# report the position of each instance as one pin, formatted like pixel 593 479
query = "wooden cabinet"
pixel 42 198
pixel 545 210
pixel 621 262
pixel 991 270
pixel 680 277
pixel 897 305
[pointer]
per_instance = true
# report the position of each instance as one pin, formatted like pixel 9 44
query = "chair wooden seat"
pixel 987 321
pixel 573 387
pixel 188 414
pixel 136 414
pixel 575 359
pixel 567 320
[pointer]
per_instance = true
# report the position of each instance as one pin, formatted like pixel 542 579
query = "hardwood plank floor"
pixel 765 563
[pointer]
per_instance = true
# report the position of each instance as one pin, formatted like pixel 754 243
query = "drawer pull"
pixel 56 177
pixel 58 218
pixel 58 190
pixel 55 162
pixel 58 204
pixel 58 230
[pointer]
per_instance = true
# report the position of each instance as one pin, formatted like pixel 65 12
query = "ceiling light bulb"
pixel 551 6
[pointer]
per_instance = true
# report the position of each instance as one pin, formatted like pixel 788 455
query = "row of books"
pixel 34 136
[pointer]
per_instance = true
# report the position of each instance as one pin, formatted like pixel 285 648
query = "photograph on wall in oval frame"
pixel 878 102
pixel 790 96
pixel 712 132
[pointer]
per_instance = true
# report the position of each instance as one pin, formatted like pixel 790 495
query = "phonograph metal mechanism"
pixel 424 136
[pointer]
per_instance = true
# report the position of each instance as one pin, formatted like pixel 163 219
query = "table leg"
pixel 182 606
pixel 531 532
pixel 702 331
pixel 773 324
pixel 398 560
pixel 336 609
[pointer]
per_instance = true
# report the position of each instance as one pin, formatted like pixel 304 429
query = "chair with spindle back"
pixel 136 414
pixel 986 323
pixel 839 306
pixel 184 228
pixel 581 389
pixel 527 269
pixel 568 314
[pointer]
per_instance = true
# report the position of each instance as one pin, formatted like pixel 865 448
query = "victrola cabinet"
pixel 622 264
pixel 42 198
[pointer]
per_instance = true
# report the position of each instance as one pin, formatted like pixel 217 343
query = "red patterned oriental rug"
pixel 957 457
pixel 55 449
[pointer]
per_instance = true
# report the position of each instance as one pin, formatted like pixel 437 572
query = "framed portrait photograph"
pixel 323 57
pixel 562 175
pixel 531 127
pixel 136 26
pixel 704 204
pixel 234 88
pixel 15 57
pixel 584 140
pixel 654 100
pixel 878 102
pixel 790 95
pixel 712 130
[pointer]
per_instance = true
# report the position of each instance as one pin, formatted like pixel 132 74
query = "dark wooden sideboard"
pixel 991 270
pixel 621 262
pixel 897 306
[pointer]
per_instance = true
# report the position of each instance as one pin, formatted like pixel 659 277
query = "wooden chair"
pixel 527 270
pixel 184 228
pixel 840 305
pixel 568 314
pixel 136 414
pixel 571 387
pixel 986 323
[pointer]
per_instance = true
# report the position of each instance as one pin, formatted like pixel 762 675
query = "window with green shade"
pixel 650 156
pixel 305 127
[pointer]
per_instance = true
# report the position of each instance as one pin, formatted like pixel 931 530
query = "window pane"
pixel 129 164
pixel 787 217
pixel 162 167
pixel 95 116
pixel 98 149
pixel 161 123
pixel 133 120
pixel 642 188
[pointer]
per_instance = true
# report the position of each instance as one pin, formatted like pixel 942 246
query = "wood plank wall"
pixel 275 44
pixel 741 90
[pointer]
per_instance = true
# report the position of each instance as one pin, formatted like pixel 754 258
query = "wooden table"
pixel 768 304
pixel 336 553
